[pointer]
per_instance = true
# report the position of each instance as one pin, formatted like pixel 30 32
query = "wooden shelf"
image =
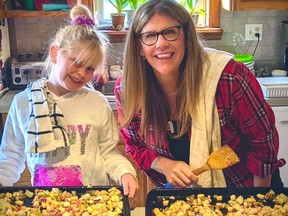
pixel 206 33
pixel 248 5
pixel 23 13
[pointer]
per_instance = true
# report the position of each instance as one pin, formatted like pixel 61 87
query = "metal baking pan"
pixel 79 191
pixel 155 197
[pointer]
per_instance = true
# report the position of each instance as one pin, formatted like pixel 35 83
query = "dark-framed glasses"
pixel 169 34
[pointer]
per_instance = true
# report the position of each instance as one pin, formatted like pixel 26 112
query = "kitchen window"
pixel 211 21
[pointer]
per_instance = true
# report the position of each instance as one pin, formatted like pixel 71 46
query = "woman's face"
pixel 164 56
pixel 67 74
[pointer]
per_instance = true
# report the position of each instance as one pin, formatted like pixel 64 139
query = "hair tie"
pixel 83 21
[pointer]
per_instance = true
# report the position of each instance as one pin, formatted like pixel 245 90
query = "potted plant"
pixel 194 11
pixel 133 4
pixel 119 17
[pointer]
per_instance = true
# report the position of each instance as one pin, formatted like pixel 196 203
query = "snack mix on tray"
pixel 56 202
pixel 268 204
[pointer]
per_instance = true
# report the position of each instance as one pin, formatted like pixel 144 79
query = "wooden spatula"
pixel 219 159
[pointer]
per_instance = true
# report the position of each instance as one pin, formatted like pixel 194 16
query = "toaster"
pixel 20 73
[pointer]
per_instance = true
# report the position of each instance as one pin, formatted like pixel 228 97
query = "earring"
pixel 143 58
pixel 53 60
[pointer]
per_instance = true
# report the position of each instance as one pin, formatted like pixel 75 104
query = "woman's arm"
pixel 256 122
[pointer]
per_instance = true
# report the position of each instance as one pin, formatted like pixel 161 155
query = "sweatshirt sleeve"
pixel 116 163
pixel 12 156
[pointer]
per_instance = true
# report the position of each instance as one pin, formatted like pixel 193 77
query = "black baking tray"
pixel 78 190
pixel 155 197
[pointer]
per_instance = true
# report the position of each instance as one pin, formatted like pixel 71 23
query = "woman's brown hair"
pixel 141 91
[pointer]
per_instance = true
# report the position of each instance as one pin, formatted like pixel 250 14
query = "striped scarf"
pixel 46 128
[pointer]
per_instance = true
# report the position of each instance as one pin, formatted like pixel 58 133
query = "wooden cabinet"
pixel 145 184
pixel 281 115
pixel 8 11
pixel 243 5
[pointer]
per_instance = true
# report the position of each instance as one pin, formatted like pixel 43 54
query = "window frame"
pixel 213 32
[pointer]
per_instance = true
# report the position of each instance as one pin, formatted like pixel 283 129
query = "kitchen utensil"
pixel 219 159
pixel 279 73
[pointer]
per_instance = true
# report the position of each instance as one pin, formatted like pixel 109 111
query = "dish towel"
pixel 46 127
pixel 206 134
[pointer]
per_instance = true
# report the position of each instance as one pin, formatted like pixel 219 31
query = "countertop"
pixel 7 98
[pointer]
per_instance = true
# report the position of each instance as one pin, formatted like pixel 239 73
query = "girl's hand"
pixel 130 185
pixel 178 173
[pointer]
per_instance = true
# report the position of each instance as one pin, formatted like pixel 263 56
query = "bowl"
pixel 279 73
pixel 114 74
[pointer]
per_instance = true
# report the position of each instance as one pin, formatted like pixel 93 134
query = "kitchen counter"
pixel 6 100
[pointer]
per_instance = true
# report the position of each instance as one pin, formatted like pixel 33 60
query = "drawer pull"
pixel 283 122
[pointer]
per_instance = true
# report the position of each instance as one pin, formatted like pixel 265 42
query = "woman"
pixel 178 102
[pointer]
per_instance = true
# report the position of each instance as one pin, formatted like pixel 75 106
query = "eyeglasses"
pixel 169 34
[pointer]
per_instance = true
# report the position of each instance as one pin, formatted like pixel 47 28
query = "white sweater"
pixel 84 110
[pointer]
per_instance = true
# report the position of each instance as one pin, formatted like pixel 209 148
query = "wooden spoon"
pixel 219 159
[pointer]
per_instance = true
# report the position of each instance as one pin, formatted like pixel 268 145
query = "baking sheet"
pixel 155 197
pixel 79 191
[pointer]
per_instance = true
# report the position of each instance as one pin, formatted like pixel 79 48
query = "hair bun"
pixel 83 20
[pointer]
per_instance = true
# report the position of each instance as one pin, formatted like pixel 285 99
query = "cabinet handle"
pixel 283 122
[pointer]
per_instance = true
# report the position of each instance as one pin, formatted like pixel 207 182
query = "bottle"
pixel 29 5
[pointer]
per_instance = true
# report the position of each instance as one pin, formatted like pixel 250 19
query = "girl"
pixel 65 131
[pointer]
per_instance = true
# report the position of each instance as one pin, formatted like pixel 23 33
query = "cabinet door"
pixel 244 5
pixel 144 182
pixel 2 9
pixel 281 114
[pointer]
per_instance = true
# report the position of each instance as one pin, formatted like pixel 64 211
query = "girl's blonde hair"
pixel 90 44
pixel 141 90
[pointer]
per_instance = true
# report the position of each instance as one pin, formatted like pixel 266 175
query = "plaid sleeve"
pixel 255 119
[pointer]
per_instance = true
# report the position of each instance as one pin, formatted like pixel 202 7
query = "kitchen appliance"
pixel 284 44
pixel 23 69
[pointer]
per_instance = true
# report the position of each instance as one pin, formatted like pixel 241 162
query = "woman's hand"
pixel 178 173
pixel 130 185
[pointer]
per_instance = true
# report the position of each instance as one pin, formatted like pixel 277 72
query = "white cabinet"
pixel 281 114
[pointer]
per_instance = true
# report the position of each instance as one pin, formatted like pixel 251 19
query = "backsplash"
pixel 32 34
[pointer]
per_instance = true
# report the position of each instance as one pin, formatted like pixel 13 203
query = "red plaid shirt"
pixel 247 125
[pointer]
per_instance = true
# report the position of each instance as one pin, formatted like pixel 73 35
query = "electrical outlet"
pixel 251 30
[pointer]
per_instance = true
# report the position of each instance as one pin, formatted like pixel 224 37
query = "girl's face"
pixel 165 56
pixel 67 74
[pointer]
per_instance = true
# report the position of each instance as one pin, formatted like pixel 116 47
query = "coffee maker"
pixel 284 43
